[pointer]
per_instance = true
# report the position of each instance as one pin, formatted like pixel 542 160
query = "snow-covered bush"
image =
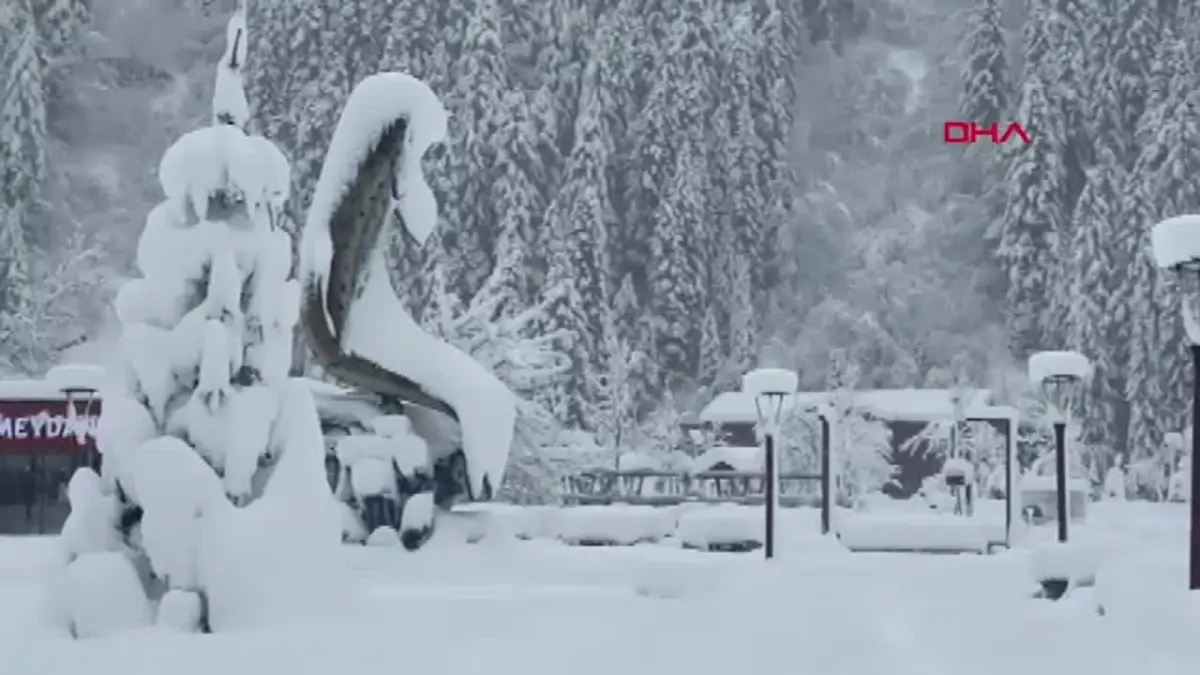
pixel 213 478
pixel 861 448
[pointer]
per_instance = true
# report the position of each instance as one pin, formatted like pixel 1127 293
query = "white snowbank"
pixel 1176 241
pixel 770 381
pixel 180 610
pixel 619 525
pixel 912 532
pixel 1076 562
pixel 1045 366
pixel 722 524
pixel 104 595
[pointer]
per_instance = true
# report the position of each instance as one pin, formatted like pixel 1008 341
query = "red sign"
pixel 44 425
pixel 969 133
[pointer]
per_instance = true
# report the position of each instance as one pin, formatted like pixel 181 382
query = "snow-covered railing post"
pixel 771 388
pixel 824 416
pixel 1176 246
pixel 1061 375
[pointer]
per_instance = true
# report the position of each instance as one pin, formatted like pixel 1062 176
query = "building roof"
pixel 918 405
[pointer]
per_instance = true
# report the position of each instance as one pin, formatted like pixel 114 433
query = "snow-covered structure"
pixel 213 496
pixel 358 328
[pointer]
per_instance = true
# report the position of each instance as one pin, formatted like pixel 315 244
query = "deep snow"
pixel 545 608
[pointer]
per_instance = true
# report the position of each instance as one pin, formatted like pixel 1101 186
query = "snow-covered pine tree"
pixel 22 109
pixel 711 356
pixel 1157 387
pixel 986 92
pixel 58 23
pixel 741 187
pixel 477 114
pixel 578 271
pixel 1031 222
pixel 777 27
pixel 631 328
pixel 1138 32
pixel 1094 279
pixel 678 111
pixel 678 270
pixel 22 169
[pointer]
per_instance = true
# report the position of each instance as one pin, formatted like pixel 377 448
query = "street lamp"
pixel 771 388
pixel 1176 246
pixel 1061 375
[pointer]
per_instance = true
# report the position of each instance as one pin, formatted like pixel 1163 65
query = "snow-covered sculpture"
pixel 358 328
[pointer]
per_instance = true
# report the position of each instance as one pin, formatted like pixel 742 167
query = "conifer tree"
pixel 986 93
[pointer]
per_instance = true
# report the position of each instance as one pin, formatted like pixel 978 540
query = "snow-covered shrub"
pixel 213 476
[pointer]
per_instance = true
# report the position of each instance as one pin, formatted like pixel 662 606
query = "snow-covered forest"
pixel 679 190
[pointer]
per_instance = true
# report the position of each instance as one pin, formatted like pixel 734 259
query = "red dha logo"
pixel 969 133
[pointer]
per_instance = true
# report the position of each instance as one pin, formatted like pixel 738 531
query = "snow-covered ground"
pixel 538 606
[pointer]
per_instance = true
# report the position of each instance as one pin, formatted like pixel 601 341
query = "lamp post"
pixel 1060 375
pixel 771 388
pixel 769 406
pixel 1175 243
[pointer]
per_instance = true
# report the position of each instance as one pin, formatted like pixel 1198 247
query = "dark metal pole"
pixel 1060 477
pixel 1194 498
pixel 826 477
pixel 769 535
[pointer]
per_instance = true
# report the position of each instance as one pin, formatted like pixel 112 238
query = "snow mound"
pixel 383 536
pixel 1075 562
pixel 181 610
pixel 104 595
pixel 613 525
pixel 912 532
pixel 770 381
pixel 721 525
pixel 1176 241
pixel 1059 365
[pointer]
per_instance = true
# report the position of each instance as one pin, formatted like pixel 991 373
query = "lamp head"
pixel 769 407
pixel 1061 391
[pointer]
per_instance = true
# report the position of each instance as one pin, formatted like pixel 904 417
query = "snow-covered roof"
pixel 896 404
pixel 76 376
pixel 11 390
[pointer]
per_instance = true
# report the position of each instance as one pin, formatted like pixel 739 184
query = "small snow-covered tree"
pixel 213 474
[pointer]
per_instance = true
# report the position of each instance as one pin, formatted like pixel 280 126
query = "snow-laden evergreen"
pixel 1094 280
pixel 213 478
pixel 985 98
